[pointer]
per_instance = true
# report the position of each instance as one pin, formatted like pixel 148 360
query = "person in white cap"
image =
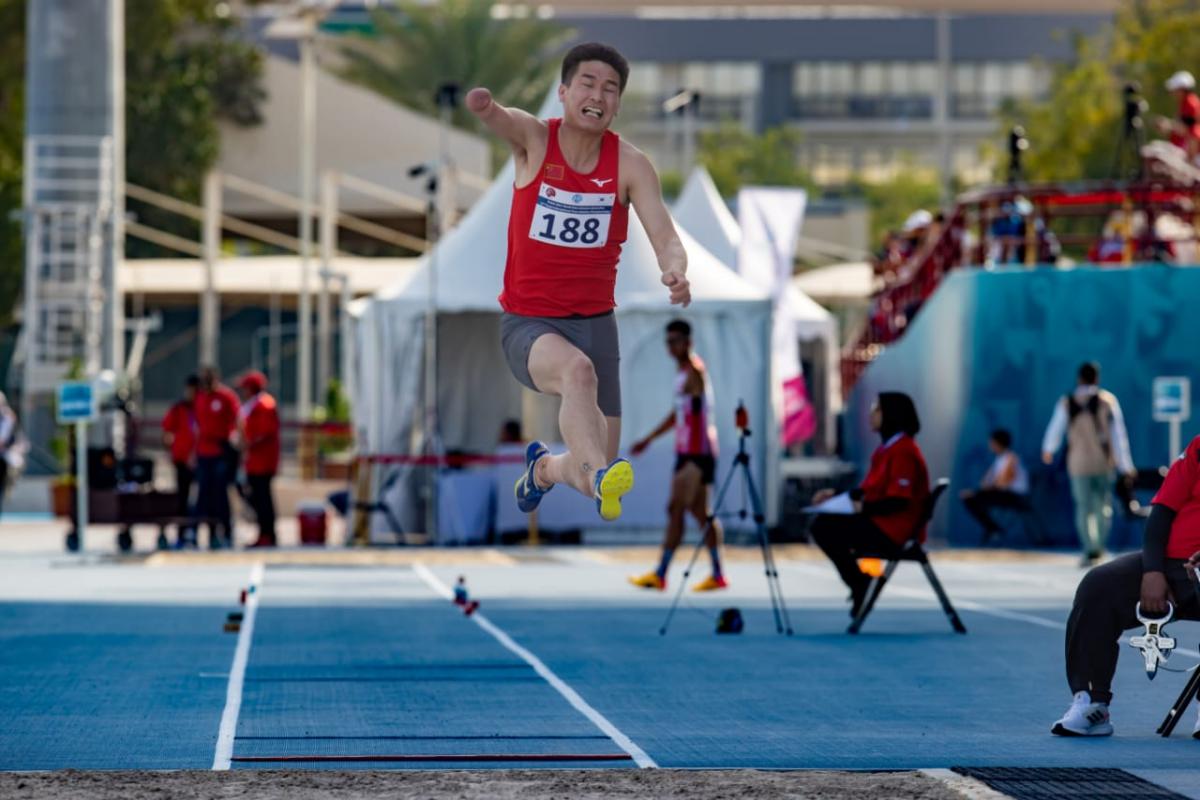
pixel 1184 130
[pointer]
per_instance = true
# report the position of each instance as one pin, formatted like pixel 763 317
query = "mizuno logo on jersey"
pixel 600 182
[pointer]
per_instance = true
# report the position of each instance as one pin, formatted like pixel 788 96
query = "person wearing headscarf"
pixel 888 504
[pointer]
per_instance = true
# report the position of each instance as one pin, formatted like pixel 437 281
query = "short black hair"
pixel 1089 372
pixel 594 51
pixel 512 430
pixel 679 326
pixel 192 381
pixel 1002 438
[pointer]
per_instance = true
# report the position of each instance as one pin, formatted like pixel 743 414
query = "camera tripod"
pixel 1127 157
pixel 1193 685
pixel 741 465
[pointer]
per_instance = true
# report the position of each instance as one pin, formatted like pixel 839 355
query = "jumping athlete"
pixel 575 180
pixel 695 461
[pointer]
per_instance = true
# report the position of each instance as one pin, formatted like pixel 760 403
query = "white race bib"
pixel 571 219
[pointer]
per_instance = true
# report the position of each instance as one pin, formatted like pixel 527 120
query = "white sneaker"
pixel 1084 718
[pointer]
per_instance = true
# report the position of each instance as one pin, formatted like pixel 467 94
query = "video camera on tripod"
pixel 729 622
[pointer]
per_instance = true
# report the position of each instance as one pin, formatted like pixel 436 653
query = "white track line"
pixel 237 674
pixel 979 608
pixel 599 720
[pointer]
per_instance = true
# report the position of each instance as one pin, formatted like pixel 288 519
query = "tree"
pixel 891 201
pixel 12 126
pixel 185 69
pixel 1074 133
pixel 736 157
pixel 417 47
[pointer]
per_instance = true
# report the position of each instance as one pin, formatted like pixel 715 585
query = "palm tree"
pixel 416 47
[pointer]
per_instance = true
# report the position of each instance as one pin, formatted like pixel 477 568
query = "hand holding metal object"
pixel 1155 645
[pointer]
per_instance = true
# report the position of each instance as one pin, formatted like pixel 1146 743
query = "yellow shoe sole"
pixel 615 484
pixel 645 582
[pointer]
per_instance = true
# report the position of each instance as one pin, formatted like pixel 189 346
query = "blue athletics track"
pixel 358 660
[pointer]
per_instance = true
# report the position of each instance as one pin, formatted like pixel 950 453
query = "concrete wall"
pixel 997 349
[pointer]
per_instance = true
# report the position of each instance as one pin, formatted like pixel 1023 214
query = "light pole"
pixel 441 200
pixel 686 102
pixel 301 27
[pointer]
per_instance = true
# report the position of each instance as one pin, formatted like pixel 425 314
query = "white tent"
pixel 701 211
pixel 476 393
pixel 838 284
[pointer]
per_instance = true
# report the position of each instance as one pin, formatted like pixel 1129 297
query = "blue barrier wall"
pixel 998 348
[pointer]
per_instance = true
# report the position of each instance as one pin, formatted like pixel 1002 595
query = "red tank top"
pixel 565 233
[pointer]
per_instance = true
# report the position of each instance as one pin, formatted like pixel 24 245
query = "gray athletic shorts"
pixel 595 336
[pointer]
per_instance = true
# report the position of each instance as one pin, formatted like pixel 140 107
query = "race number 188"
pixel 572 219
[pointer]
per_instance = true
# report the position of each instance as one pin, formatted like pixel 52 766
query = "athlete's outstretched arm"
pixel 645 193
pixel 513 125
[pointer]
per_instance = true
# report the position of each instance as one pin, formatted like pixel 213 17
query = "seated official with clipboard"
pixel 879 516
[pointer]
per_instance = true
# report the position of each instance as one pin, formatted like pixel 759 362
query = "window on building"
pixel 872 79
pixel 644 78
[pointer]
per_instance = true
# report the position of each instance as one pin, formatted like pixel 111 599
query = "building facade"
pixel 869 89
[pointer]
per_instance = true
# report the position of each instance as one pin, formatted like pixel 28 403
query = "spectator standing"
pixel 259 424
pixel 10 454
pixel 216 421
pixel 1005 485
pixel 180 434
pixel 1091 420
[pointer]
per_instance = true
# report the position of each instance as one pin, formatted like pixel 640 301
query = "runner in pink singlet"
pixel 695 461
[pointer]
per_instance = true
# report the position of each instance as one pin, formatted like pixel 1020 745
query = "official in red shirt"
pixel 1107 598
pixel 180 432
pixel 259 429
pixel 889 502
pixel 216 460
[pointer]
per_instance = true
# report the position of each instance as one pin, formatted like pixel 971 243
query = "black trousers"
pixel 847 537
pixel 980 504
pixel 212 495
pixel 3 481
pixel 1106 606
pixel 260 499
pixel 184 477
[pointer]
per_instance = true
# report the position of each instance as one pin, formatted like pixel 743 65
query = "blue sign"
pixel 76 402
pixel 1172 399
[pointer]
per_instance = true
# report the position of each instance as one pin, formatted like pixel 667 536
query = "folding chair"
pixel 910 551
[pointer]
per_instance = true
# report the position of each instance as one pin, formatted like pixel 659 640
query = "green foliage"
pixel 672 183
pixel 336 409
pixel 736 157
pixel 337 404
pixel 890 202
pixel 185 69
pixel 12 130
pixel 1074 133
pixel 417 46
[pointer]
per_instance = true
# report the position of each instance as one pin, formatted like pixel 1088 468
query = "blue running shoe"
pixel 526 489
pixel 612 483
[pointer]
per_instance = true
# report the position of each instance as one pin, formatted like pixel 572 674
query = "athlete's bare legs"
pixel 559 368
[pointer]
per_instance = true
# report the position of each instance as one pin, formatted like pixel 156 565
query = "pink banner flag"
pixel 799 416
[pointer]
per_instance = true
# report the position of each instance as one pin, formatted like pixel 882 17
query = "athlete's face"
pixel 593 97
pixel 678 345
